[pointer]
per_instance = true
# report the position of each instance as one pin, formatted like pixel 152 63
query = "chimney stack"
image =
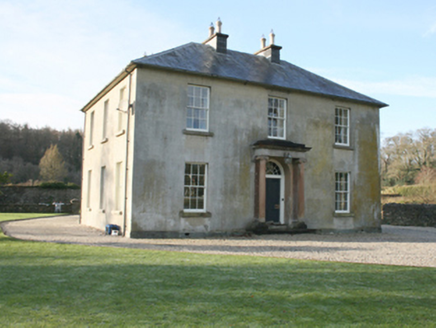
pixel 272 52
pixel 217 40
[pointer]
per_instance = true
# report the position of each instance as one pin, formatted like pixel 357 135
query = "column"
pixel 298 189
pixel 260 187
pixel 301 198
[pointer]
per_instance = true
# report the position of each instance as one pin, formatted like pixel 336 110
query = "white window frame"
pixel 102 187
pixel 342 126
pixel 119 187
pixel 275 106
pixel 105 120
pixel 91 129
pixel 122 108
pixel 88 196
pixel 197 105
pixel 342 192
pixel 188 187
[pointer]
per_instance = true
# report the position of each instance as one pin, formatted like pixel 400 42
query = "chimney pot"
pixel 211 29
pixel 218 25
pixel 262 42
pixel 271 37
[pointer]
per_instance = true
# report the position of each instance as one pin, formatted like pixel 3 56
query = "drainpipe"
pixel 127 152
pixel 83 170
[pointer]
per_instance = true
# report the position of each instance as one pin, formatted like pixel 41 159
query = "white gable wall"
pixel 107 150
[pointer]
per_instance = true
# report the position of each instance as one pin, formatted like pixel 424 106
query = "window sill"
pixel 344 147
pixel 184 214
pixel 277 138
pixel 104 140
pixel 198 133
pixel 90 147
pixel 120 133
pixel 117 212
pixel 343 214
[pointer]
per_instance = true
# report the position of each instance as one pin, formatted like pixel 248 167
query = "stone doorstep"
pixel 270 228
pixel 284 229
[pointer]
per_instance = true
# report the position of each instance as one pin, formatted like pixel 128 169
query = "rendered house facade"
pixel 202 140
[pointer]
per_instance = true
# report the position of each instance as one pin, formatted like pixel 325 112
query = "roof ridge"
pixel 202 59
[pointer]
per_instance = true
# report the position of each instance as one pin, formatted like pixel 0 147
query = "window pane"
pixel 342 191
pixel 202 125
pixel 194 191
pixel 198 105
pixel 276 117
pixel 342 125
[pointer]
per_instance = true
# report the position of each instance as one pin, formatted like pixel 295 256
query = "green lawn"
pixel 58 285
pixel 21 216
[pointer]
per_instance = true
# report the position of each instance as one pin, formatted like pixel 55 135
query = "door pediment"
pixel 279 148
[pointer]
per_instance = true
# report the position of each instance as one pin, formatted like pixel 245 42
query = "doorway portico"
pixel 279 181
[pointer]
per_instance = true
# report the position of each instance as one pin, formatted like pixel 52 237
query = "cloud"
pixel 410 86
pixel 430 31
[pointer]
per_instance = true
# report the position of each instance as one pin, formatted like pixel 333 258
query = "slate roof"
pixel 202 59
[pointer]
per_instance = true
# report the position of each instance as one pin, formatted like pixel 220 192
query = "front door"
pixel 272 206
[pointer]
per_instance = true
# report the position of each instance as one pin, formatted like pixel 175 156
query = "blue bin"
pixel 110 228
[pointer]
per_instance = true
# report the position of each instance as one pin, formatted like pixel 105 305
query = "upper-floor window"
pixel 122 108
pixel 342 126
pixel 91 129
pixel 342 192
pixel 276 118
pixel 197 112
pixel 105 119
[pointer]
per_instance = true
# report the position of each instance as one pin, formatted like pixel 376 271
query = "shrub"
pixel 58 185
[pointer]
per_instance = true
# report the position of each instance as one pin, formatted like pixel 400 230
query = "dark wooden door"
pixel 272 206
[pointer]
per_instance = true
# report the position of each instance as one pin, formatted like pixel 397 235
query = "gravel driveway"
pixel 409 246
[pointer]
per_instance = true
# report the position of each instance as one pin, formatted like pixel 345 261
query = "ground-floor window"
pixel 88 196
pixel 195 187
pixel 102 186
pixel 119 186
pixel 342 192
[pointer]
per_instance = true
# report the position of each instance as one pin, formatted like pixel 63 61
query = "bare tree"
pixel 405 155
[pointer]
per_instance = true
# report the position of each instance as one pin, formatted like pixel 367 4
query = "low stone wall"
pixel 33 208
pixel 38 200
pixel 418 215
pixel 35 195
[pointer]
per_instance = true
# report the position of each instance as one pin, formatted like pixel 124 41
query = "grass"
pixel 22 216
pixel 52 285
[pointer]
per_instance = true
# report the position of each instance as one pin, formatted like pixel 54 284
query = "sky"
pixel 56 55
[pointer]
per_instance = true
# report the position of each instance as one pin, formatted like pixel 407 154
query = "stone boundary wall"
pixel 33 208
pixel 418 215
pixel 35 195
pixel 16 199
